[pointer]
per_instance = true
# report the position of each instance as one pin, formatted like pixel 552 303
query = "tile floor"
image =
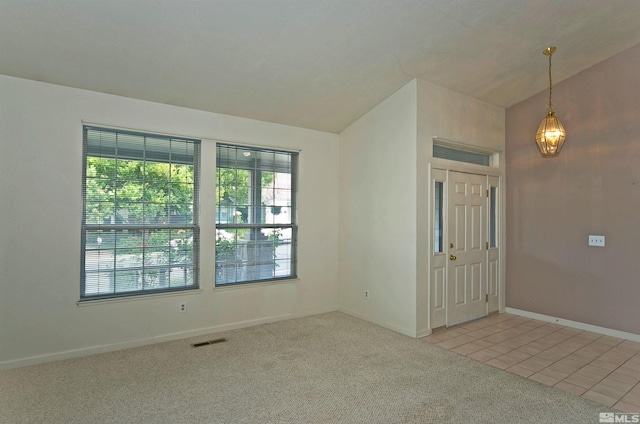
pixel 601 368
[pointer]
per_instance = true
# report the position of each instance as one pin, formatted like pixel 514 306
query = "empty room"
pixel 301 211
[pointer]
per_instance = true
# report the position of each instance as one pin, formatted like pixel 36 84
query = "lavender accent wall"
pixel 592 188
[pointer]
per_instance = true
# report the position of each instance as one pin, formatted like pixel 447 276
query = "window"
pixel 438 230
pixel 256 226
pixel 140 228
pixel 493 217
pixel 459 152
pixel 460 155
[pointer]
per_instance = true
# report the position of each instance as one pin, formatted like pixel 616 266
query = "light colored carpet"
pixel 329 368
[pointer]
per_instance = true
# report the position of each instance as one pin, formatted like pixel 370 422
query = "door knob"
pixel 453 258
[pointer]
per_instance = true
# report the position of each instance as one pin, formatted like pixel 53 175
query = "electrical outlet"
pixel 182 307
pixel 596 241
pixel 366 294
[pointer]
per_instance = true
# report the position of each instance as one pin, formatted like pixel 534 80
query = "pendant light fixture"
pixel 551 134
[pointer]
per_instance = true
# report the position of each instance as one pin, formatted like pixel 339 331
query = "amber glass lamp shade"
pixel 550 136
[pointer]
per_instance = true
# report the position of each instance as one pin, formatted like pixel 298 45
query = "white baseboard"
pixel 423 333
pixel 575 324
pixel 75 353
pixel 392 327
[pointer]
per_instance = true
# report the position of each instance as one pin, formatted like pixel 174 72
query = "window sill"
pixel 92 302
pixel 255 284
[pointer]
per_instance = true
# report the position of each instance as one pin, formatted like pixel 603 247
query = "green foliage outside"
pixel 138 193
pixel 233 191
pixel 141 193
pixel 233 184
pixel 147 191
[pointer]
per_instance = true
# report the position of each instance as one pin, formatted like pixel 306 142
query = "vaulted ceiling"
pixel 318 64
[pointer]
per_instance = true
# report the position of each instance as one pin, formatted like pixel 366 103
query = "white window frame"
pixel 154 266
pixel 252 255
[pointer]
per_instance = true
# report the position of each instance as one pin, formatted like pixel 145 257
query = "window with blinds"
pixel 140 229
pixel 458 155
pixel 256 226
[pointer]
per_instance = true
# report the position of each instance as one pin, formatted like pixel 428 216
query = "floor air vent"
pixel 210 342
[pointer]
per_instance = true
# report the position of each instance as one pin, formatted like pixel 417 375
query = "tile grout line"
pixel 620 366
pixel 498 330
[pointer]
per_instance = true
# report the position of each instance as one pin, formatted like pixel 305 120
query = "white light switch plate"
pixel 596 241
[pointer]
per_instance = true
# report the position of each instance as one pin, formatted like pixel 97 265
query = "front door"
pixel 467 226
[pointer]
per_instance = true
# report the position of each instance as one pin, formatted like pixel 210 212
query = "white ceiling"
pixel 318 64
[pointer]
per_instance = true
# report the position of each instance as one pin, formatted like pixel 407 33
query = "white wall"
pixel 452 116
pixel 378 213
pixel 385 194
pixel 40 209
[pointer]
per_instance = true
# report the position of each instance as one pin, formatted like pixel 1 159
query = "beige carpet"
pixel 329 368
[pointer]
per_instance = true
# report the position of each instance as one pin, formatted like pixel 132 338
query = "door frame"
pixel 439 171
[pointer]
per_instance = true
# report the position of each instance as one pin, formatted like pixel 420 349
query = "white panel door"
pixel 467 265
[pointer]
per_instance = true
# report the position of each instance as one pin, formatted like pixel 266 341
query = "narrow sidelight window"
pixel 493 217
pixel 438 235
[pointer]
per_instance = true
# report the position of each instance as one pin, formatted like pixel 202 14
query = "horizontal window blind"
pixel 140 229
pixel 443 152
pixel 256 228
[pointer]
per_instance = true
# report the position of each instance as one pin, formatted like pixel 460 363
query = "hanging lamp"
pixel 551 134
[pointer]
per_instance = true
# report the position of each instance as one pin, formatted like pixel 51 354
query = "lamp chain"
pixel 550 84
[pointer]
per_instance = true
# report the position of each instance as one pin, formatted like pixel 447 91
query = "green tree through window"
pixel 140 221
pixel 255 214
